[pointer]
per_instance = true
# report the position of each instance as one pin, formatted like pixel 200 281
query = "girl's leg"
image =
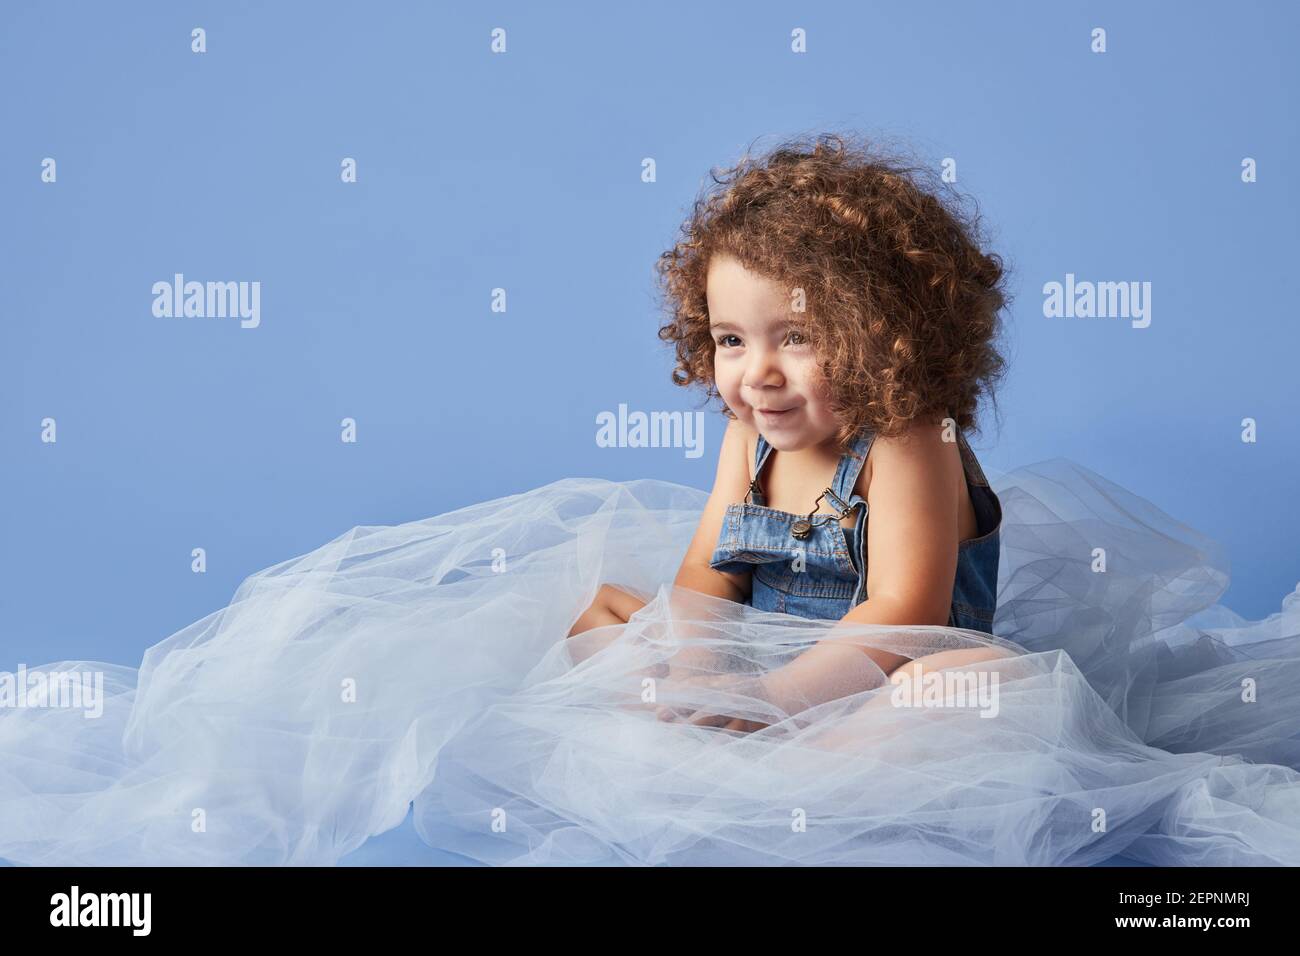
pixel 859 723
pixel 611 606
pixel 946 659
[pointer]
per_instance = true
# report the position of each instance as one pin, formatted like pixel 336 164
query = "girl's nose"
pixel 762 371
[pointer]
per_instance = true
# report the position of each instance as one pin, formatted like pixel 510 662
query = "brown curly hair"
pixel 904 304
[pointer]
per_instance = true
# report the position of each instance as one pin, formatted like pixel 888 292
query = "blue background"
pixel 522 171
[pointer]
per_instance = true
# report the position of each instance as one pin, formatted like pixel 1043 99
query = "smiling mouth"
pixel 773 412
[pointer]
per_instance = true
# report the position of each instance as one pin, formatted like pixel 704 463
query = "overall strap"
pixel 851 462
pixel 762 451
pixel 845 479
pixel 974 473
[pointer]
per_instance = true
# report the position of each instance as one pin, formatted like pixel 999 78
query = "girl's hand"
pixel 739 684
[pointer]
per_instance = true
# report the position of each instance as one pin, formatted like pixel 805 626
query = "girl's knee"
pixel 611 605
pixel 910 669
pixel 617 601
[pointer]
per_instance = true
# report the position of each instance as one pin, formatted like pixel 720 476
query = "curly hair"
pixel 902 305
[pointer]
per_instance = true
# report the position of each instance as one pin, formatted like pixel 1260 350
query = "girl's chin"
pixel 785 439
pixel 789 439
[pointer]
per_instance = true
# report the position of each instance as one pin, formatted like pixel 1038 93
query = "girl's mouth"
pixel 774 414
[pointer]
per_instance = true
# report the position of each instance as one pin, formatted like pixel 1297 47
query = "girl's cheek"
pixel 737 405
pixel 728 388
pixel 820 386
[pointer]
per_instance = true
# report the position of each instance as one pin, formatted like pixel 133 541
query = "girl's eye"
pixel 794 337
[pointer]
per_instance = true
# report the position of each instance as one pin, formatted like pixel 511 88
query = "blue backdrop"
pixel 522 170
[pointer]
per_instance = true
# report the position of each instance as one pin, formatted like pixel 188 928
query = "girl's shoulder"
pixel 748 434
pixel 922 457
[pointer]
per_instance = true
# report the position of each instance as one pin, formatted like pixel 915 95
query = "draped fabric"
pixel 1119 710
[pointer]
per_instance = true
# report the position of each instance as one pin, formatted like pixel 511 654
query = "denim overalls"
pixel 832 579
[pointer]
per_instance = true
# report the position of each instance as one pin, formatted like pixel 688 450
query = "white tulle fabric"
pixel 427 663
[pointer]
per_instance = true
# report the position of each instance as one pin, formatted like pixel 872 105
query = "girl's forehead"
pixel 732 286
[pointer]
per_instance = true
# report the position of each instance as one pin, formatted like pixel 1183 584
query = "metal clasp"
pixel 802 528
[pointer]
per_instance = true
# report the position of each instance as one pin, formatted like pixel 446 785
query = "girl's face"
pixel 764 368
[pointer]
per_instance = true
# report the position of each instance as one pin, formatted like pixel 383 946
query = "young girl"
pixel 847 318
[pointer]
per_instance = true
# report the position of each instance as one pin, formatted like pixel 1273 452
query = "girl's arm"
pixel 730 485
